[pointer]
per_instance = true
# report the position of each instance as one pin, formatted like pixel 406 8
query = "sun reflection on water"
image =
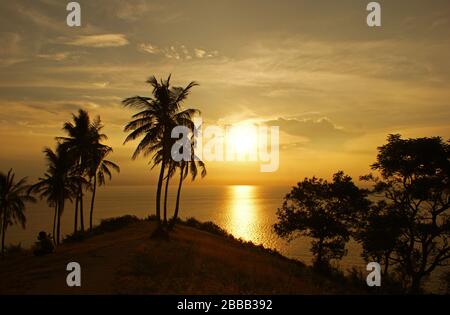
pixel 243 212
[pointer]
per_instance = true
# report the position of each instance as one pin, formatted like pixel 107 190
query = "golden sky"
pixel 334 86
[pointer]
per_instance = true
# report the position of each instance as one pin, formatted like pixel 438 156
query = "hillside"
pixel 191 261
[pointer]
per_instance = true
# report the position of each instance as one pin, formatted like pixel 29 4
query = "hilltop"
pixel 127 260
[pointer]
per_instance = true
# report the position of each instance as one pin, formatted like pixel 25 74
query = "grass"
pixel 120 256
pixel 106 225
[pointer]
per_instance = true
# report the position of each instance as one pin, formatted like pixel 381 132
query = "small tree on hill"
pixel 324 211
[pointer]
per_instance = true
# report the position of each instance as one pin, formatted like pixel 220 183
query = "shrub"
pixel 14 249
pixel 106 225
pixel 114 224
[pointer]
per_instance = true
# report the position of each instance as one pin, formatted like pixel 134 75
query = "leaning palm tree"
pixel 186 168
pixel 83 135
pixel 171 169
pixel 60 183
pixel 99 169
pixel 154 122
pixel 13 197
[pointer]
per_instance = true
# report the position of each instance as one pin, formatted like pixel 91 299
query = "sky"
pixel 334 86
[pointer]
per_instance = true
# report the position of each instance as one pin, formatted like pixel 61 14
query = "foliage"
pixel 415 187
pixel 105 226
pixel 324 211
pixel 13 198
pixel 154 122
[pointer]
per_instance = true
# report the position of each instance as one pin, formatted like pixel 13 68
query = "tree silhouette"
pixel 378 230
pixel 186 168
pixel 154 122
pixel 13 197
pixel 60 183
pixel 99 168
pixel 83 139
pixel 415 183
pixel 324 211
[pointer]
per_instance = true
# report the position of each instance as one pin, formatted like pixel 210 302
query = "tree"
pixel 186 168
pixel 13 197
pixel 156 118
pixel 378 230
pixel 414 181
pixel 99 167
pixel 83 138
pixel 60 183
pixel 323 210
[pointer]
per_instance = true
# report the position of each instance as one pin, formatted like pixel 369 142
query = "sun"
pixel 242 139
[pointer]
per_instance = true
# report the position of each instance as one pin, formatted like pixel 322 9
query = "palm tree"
pixel 13 197
pixel 60 182
pixel 154 122
pixel 82 137
pixel 171 168
pixel 170 173
pixel 186 168
pixel 100 168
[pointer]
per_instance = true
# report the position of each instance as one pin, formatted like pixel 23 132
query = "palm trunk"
pixel 3 234
pixel 92 203
pixel 75 227
pixel 177 204
pixel 81 210
pixel 165 199
pixel 54 223
pixel 158 192
pixel 58 230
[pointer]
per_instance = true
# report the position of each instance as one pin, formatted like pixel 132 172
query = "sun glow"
pixel 242 139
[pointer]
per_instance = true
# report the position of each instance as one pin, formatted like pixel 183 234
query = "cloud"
pixel 321 132
pixel 440 22
pixel 134 10
pixel 60 56
pixel 11 50
pixel 177 52
pixel 148 48
pixel 100 41
pixel 199 53
pixel 172 53
pixel 101 84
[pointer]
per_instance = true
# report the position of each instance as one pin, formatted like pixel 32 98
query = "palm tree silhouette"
pixel 60 183
pixel 154 122
pixel 186 168
pixel 83 137
pixel 13 197
pixel 99 169
pixel 171 169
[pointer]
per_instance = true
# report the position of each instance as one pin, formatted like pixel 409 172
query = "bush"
pixel 44 245
pixel 74 237
pixel 114 224
pixel 14 249
pixel 106 225
pixel 207 227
